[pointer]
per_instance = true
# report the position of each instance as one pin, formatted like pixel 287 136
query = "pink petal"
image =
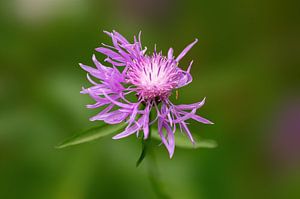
pixel 183 53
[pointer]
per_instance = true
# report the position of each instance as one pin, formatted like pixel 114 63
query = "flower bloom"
pixel 151 78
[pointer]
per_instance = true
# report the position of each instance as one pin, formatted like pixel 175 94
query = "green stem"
pixel 153 172
pixel 155 178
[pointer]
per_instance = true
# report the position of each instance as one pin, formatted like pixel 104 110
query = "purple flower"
pixel 151 78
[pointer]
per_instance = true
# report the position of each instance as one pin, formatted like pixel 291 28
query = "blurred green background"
pixel 246 64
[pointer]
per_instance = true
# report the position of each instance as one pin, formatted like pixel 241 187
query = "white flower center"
pixel 154 76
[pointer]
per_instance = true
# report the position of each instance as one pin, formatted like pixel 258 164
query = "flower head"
pixel 152 78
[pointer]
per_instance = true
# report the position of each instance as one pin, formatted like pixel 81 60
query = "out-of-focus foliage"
pixel 246 63
pixel 103 130
pixel 92 134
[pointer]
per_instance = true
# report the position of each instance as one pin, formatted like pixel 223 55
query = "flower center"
pixel 154 76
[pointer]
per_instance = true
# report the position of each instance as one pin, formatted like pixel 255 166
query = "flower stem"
pixel 154 177
pixel 152 167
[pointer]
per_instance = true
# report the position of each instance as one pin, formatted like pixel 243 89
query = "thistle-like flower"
pixel 152 78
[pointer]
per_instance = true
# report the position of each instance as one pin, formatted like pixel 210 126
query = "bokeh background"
pixel 246 63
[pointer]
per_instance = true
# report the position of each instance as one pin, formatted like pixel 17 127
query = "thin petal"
pixel 97 104
pixel 168 140
pixel 131 130
pixel 185 117
pixel 104 111
pixel 97 90
pixel 120 104
pixel 185 79
pixel 192 115
pixel 116 117
pixel 201 119
pixel 120 37
pixel 170 53
pixel 171 140
pixel 109 60
pixel 110 53
pixel 190 66
pixel 146 122
pixel 183 53
pixel 191 106
pixel 94 72
pixel 100 66
pixel 187 131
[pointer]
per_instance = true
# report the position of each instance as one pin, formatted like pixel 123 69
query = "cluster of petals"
pixel 151 78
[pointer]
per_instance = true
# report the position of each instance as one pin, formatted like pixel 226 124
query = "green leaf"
pixel 91 134
pixel 182 141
